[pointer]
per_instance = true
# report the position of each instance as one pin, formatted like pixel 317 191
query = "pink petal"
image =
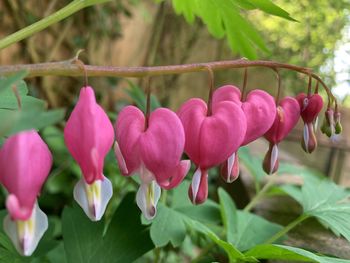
pixel 89 135
pixel 129 127
pixel 260 111
pixel 227 93
pixel 162 144
pixel 25 163
pixel 310 106
pixel 177 176
pixel 288 114
pixel 192 114
pixel 210 140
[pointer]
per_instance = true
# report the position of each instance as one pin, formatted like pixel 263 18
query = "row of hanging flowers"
pixel 151 146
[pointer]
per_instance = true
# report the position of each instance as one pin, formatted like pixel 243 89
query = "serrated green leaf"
pixel 243 229
pixel 280 252
pixel 168 226
pixel 329 203
pixel 186 8
pixel 211 16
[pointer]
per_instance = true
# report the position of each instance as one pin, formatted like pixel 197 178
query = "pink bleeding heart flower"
pixel 288 114
pixel 260 111
pixel 310 107
pixel 25 163
pixel 89 135
pixel 210 140
pixel 153 149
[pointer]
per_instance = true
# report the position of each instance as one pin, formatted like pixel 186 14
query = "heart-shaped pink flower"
pixel 210 140
pixel 260 111
pixel 25 163
pixel 310 107
pixel 153 150
pixel 89 136
pixel 288 114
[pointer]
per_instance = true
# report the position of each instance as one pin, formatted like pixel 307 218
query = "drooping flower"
pixel 260 111
pixel 152 148
pixel 25 163
pixel 210 140
pixel 89 136
pixel 310 107
pixel 287 116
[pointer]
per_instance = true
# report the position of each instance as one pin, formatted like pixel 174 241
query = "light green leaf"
pixel 329 203
pixel 270 8
pixel 280 252
pixel 8 82
pixel 186 8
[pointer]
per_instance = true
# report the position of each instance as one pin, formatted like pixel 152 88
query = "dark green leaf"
pixel 81 236
pixel 228 215
pixel 126 238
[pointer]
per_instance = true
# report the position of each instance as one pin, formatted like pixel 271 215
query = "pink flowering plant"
pixel 142 182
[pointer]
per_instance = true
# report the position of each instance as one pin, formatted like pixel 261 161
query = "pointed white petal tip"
pixel 196 180
pixel 230 163
pixel 147 198
pixel 25 235
pixel 306 137
pixel 93 198
pixel 274 157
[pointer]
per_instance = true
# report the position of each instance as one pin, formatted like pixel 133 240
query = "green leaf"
pixel 243 229
pixel 280 252
pixel 167 226
pixel 8 82
pixel 16 121
pixel 81 236
pixel 228 214
pixel 139 97
pixel 211 16
pixel 328 203
pixel 186 8
pixel 126 239
pixel 270 8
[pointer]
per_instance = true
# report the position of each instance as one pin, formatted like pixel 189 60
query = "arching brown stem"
pixel 69 68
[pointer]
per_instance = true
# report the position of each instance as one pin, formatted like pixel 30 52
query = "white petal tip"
pixel 25 235
pixel 147 198
pixel 93 198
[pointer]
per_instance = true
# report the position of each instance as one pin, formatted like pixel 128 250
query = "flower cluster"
pixel 152 147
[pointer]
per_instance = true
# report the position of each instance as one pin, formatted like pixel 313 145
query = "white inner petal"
pixel 25 235
pixel 147 198
pixel 196 180
pixel 274 156
pixel 306 137
pixel 93 198
pixel 230 163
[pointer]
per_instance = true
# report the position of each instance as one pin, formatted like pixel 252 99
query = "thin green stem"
pixel 61 14
pixel 256 199
pixel 287 228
